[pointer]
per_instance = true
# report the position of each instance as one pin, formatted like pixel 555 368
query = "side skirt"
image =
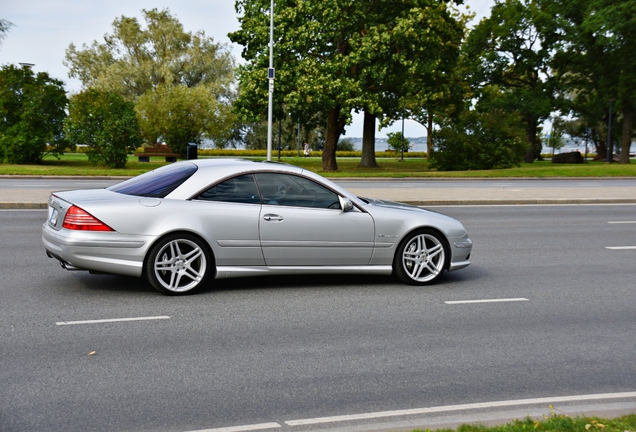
pixel 225 272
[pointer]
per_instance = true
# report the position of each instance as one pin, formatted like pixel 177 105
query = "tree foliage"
pixel 31 115
pixel 511 50
pixel 596 64
pixel 479 140
pixel 106 122
pixel 397 142
pixel 5 25
pixel 181 81
pixel 333 56
pixel 179 115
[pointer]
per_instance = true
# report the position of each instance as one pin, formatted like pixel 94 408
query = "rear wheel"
pixel 421 257
pixel 178 264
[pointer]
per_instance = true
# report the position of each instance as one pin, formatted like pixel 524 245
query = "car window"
pixel 158 183
pixel 241 189
pixel 290 190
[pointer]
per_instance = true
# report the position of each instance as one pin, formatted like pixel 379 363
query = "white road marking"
pixel 111 320
pixel 242 428
pixel 447 408
pixel 487 300
pixel 621 222
pixel 620 247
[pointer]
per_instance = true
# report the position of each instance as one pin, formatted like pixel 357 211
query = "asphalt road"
pixel 270 350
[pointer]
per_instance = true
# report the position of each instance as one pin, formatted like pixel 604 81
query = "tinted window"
pixel 158 183
pixel 291 190
pixel 241 189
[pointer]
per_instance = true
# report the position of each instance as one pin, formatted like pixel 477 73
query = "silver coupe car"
pixel 186 223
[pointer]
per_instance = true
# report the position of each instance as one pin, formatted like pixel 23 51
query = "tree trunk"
pixel 368 142
pixel 332 134
pixel 429 135
pixel 531 122
pixel 626 138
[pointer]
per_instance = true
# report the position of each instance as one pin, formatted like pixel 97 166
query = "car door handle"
pixel 272 217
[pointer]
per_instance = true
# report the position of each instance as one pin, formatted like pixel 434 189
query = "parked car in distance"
pixel 186 224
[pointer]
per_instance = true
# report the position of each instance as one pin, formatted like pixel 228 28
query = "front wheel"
pixel 420 258
pixel 178 264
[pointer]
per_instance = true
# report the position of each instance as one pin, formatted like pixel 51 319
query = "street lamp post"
pixel 270 76
pixel 609 158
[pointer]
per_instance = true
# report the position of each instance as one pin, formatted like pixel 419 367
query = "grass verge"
pixel 76 164
pixel 554 423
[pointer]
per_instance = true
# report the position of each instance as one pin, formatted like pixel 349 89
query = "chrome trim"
pixel 316 244
pixel 239 243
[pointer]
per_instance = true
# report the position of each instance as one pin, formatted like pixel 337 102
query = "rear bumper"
pixel 97 251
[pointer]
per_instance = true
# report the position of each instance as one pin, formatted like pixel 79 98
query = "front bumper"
pixel 461 248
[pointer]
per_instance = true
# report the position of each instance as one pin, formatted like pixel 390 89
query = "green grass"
pixel 76 164
pixel 557 423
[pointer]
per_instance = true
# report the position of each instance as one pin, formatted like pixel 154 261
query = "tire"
pixel 421 257
pixel 178 264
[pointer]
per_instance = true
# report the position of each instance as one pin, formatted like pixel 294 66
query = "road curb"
pixel 22 205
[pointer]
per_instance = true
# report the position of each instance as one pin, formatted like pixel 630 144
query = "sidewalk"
pixel 496 193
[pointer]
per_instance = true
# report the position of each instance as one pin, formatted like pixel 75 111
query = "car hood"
pixel 393 217
pixel 397 205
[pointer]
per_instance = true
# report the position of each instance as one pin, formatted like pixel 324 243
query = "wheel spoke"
pixel 423 257
pixel 180 265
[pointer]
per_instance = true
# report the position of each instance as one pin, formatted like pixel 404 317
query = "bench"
pixel 157 151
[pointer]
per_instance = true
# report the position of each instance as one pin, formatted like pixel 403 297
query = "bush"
pixel 397 142
pixel 479 141
pixel 31 115
pixel 345 144
pixel 106 123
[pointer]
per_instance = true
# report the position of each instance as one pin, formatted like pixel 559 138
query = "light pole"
pixel 609 158
pixel 270 76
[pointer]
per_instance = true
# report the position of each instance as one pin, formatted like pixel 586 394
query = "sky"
pixel 43 29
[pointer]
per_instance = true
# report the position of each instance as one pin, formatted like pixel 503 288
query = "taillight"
pixel 78 219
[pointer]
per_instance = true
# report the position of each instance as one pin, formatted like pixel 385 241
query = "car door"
pixel 229 212
pixel 302 224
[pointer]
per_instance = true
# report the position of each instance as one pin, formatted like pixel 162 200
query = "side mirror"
pixel 345 204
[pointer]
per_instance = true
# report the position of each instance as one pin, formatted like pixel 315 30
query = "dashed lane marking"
pixel 242 428
pixel 487 300
pixel 112 320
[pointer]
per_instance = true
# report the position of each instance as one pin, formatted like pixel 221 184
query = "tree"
pixel 615 24
pixel 397 142
pixel 4 28
pixel 427 80
pixel 106 122
pixel 31 115
pixel 335 56
pixel 179 115
pixel 163 64
pixel 511 50
pixel 479 140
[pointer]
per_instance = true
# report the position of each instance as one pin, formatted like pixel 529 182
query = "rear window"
pixel 158 183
